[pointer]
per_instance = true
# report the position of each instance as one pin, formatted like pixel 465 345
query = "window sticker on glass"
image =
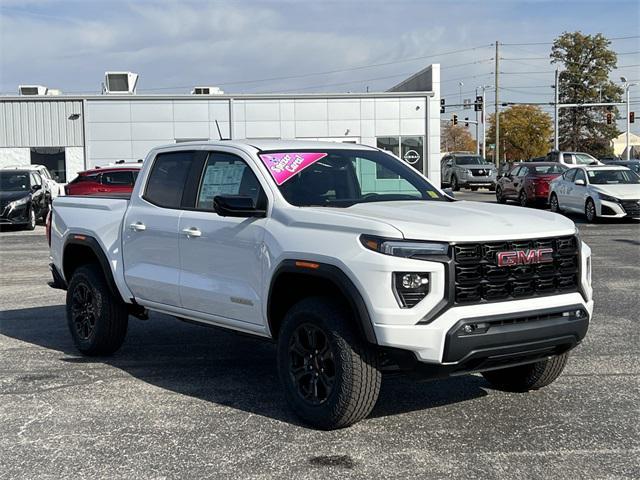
pixel 432 194
pixel 283 166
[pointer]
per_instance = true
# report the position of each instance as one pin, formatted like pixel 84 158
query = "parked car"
pixel 23 198
pixel 572 158
pixel 607 191
pixel 467 170
pixel 293 241
pixel 504 168
pixel 50 184
pixel 633 165
pixel 104 180
pixel 528 183
pixel 609 158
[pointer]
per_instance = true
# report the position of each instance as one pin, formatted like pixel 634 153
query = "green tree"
pixel 456 138
pixel 587 62
pixel 525 132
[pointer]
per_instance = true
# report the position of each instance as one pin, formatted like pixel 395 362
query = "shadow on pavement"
pixel 215 365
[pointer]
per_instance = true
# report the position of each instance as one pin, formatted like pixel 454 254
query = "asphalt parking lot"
pixel 183 401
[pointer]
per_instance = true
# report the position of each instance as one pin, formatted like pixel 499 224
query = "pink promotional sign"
pixel 283 166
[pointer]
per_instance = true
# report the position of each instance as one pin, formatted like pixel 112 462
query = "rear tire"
pixel 554 204
pixel 97 319
pixel 522 199
pixel 527 377
pixel 328 371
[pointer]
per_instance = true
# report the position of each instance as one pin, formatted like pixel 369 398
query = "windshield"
pixel 14 181
pixel 612 177
pixel 341 178
pixel 470 160
pixel 584 159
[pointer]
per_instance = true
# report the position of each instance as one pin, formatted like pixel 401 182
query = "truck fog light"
pixel 410 288
pixel 414 280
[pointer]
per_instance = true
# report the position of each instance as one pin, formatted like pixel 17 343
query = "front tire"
pixel 455 186
pixel 328 371
pixel 500 198
pixel 527 377
pixel 590 211
pixel 32 219
pixel 97 319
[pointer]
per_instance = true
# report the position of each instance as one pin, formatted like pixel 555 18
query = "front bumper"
pixel 621 209
pixel 473 181
pixel 14 215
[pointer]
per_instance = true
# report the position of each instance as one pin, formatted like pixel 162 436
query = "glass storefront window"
pixel 409 148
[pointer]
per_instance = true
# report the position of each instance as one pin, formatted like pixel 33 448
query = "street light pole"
pixel 477 125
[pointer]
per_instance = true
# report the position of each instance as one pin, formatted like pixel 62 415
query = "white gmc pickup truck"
pixel 348 259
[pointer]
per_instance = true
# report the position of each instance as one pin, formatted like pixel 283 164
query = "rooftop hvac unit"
pixel 32 90
pixel 120 83
pixel 206 91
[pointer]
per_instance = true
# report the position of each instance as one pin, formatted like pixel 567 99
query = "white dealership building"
pixel 72 133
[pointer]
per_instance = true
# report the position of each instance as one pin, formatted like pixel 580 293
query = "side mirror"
pixel 579 182
pixel 236 206
pixel 449 163
pixel 35 188
pixel 449 192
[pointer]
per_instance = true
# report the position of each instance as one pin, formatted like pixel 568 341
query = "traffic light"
pixel 478 106
pixel 455 119
pixel 442 105
pixel 466 121
pixel 632 117
pixel 609 118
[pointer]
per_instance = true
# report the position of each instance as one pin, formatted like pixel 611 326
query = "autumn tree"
pixel 456 138
pixel 586 62
pixel 525 132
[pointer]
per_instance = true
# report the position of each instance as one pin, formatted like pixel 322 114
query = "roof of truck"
pixel 268 144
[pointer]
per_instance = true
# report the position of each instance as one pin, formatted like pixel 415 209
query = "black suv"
pixel 23 198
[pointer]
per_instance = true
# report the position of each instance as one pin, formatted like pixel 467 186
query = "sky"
pixel 256 46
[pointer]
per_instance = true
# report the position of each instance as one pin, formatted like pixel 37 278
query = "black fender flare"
pixel 88 241
pixel 337 277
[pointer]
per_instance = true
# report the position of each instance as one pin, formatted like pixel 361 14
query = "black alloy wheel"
pixel 312 365
pixel 83 311
pixel 590 211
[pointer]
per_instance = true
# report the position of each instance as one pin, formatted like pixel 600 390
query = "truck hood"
pixel 461 221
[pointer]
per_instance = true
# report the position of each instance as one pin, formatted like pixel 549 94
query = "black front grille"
pixel 480 173
pixel 632 207
pixel 478 278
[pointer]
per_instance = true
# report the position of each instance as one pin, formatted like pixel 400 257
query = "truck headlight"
pixel 18 203
pixel 402 248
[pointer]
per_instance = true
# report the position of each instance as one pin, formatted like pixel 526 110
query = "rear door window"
pixel 117 179
pixel 570 175
pixel 167 179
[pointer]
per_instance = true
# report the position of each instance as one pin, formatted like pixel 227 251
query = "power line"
pixel 551 43
pixel 329 72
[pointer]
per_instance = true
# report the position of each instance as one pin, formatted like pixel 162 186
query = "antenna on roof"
pixel 220 133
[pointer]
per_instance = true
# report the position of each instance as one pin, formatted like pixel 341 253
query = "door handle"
pixel 192 232
pixel 138 227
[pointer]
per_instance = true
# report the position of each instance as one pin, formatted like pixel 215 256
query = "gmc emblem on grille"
pixel 525 257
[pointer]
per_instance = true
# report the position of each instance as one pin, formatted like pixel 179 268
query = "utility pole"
pixel 484 122
pixel 477 127
pixel 555 111
pixel 497 149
